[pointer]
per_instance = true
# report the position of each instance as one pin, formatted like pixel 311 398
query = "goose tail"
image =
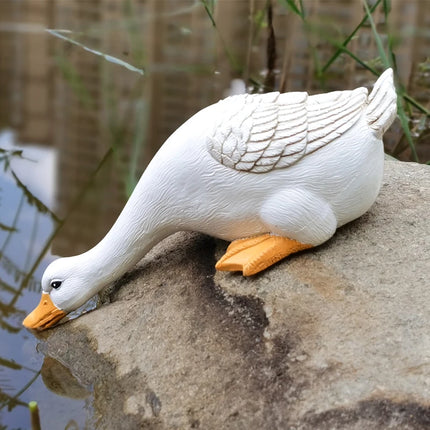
pixel 382 104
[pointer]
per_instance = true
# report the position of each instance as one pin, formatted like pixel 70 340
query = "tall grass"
pixel 62 35
pixel 385 47
pixel 123 125
pixel 386 57
pixel 386 54
pixel 262 17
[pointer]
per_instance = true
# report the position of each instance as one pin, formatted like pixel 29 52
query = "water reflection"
pixel 84 127
pixel 26 225
pixel 60 380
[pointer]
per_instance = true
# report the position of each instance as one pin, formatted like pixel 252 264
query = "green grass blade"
pixel 416 104
pixel 110 58
pixel 404 121
pixel 387 9
pixel 348 39
pixel 291 4
pixel 377 37
pixel 232 60
pixel 390 61
pixel 209 10
pixel 302 9
pixel 345 50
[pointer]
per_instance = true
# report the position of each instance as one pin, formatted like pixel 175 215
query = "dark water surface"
pixel 77 128
pixel 26 226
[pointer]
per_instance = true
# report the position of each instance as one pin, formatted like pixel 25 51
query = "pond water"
pixel 83 109
pixel 26 226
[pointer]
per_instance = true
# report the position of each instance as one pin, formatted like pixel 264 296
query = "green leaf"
pixel 110 58
pixel 209 7
pixel 418 105
pixel 387 8
pixel 377 37
pixel 349 38
pixel 404 121
pixel 291 4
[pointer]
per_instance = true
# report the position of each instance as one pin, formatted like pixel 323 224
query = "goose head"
pixel 66 284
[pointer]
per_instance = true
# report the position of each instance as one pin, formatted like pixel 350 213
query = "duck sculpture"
pixel 272 173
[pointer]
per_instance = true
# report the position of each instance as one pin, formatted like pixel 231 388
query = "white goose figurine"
pixel 274 173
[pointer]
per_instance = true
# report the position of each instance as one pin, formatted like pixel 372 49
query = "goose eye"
pixel 56 284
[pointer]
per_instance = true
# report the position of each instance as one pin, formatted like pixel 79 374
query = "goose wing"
pixel 261 132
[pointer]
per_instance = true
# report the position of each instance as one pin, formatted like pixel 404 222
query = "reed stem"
pixel 34 416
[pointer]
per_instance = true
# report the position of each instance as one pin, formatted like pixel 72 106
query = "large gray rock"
pixel 336 337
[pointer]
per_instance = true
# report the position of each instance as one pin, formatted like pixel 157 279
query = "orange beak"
pixel 45 315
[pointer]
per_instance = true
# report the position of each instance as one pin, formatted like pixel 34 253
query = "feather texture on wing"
pixel 261 132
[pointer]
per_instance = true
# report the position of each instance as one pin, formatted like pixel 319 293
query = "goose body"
pixel 274 173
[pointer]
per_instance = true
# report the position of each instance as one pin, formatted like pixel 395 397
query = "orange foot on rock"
pixel 254 254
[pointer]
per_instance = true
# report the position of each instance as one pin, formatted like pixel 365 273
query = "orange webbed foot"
pixel 254 254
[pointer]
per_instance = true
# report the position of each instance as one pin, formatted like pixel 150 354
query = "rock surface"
pixel 336 337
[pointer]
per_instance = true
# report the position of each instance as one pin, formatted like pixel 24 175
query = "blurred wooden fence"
pixel 56 94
